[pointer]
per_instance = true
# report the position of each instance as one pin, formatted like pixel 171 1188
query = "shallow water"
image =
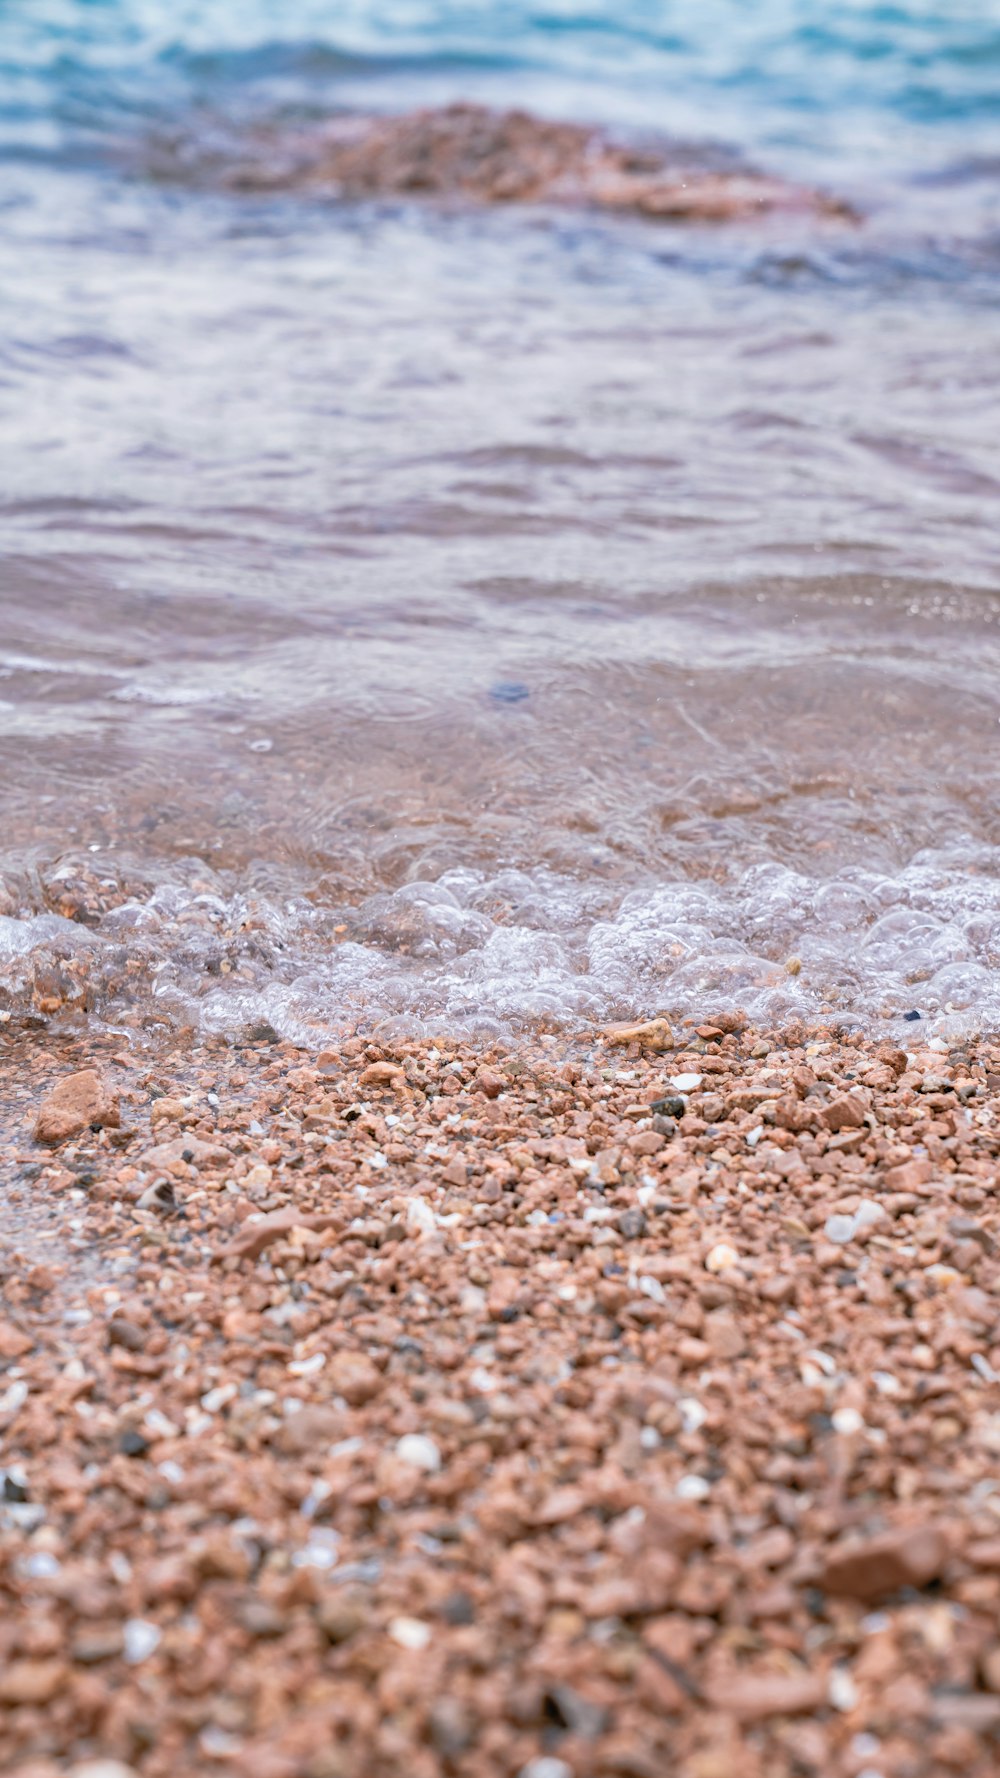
pixel 417 614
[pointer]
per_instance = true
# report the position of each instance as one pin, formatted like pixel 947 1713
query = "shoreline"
pixel 443 1410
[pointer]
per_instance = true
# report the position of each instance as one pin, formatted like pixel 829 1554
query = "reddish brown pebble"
pixel 75 1104
pixel 866 1568
pixel 752 1697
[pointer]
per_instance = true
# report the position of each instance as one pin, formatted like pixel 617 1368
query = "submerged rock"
pixel 509 157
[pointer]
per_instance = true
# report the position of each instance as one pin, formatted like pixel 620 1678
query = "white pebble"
pixel 652 1288
pixel 839 1230
pixel 102 1768
pixel 13 1399
pixel 418 1449
pixel 42 1565
pixel 692 1413
pixel 159 1425
pixel 885 1382
pixel 722 1258
pixel 420 1216
pixel 686 1083
pixel 847 1420
pixel 693 1487
pixel 410 1632
pixel 546 1768
pixel 320 1552
pixel 141 1640
pixel 826 1364
pixel 868 1215
pixel 841 1689
pixel 308 1367
pixel 217 1398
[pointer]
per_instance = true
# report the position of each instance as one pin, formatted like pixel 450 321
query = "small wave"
pixel 473 951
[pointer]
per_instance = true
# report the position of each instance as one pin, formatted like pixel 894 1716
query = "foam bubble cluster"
pixel 489 953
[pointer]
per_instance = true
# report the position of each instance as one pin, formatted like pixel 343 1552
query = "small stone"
pixel 908 1176
pixel 458 1608
pixel 546 1767
pixel 867 1568
pixel 721 1258
pixel 75 1104
pixel 754 1697
pixel 417 1449
pixel 341 1616
pixel 95 1643
pixel 13 1343
pixel 842 1691
pixel 723 1335
pixel 314 1428
pixel 843 1113
pixel 160 1196
pixel 990 1667
pixel 257 1236
pixel 653 1034
pixel 262 1620
pixel 839 1230
pixel 382 1074
pixel 631 1224
pixel 579 1715
pixel 670 1106
pixel 31 1682
pixel 141 1639
pixel 354 1376
pixel 846 1421
pixel 451 1728
pixel 131 1443
pixel 409 1632
pixel 122 1332
pixel 102 1768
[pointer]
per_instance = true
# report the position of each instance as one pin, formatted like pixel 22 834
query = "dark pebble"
pixel 670 1106
pixel 458 1608
pixel 631 1224
pixel 509 691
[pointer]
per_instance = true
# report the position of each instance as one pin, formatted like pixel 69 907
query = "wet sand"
pixel 574 1409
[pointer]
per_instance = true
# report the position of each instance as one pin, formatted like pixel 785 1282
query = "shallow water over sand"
pixel 447 615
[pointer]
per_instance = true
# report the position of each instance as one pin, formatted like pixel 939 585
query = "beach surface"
pixel 499 572
pixel 593 1406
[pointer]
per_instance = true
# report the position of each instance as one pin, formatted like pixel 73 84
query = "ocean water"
pixel 420 616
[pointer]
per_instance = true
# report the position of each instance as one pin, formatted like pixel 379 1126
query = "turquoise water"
pixel 848 80
pixel 479 617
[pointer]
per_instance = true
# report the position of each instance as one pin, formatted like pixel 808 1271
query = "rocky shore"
pixel 479 155
pixel 595 1409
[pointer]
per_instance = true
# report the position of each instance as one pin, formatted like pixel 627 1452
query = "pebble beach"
pixel 499 889
pixel 573 1409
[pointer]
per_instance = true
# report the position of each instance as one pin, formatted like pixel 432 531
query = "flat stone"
pixel 870 1567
